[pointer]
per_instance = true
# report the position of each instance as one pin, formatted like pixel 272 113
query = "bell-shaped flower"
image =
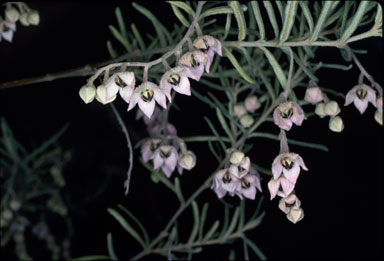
pixel 281 187
pixel 285 204
pixel 7 30
pixel 176 79
pixel 33 17
pixel 287 113
pixel 288 164
pixel 224 181
pixel 360 95
pixel 209 45
pixel 246 120
pixel 194 62
pixel 145 95
pixel 165 157
pixel 241 169
pixel 101 95
pixel 249 184
pixel 123 83
pixel 148 147
pixel 252 103
pixel 313 95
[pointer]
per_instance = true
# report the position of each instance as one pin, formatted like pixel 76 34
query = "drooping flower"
pixel 313 95
pixel 281 187
pixel 7 30
pixel 360 95
pixel 224 181
pixel 246 120
pixel 148 147
pixel 241 169
pixel 145 95
pixel 194 62
pixel 176 79
pixel 288 164
pixel 209 45
pixel 249 184
pixel 285 204
pixel 165 157
pixel 252 103
pixel 287 113
pixel 123 83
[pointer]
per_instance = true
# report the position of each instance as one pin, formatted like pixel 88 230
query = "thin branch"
pixel 128 181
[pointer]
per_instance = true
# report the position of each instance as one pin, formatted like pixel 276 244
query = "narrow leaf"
pixel 239 15
pixel 227 25
pixel 276 67
pixel 180 16
pixel 138 37
pixel 220 10
pixel 196 218
pixel 379 15
pixel 307 14
pixel 137 221
pixel 290 15
pixel 303 66
pixel 90 258
pixel 323 16
pixel 259 18
pixel 126 226
pixel 202 219
pixel 232 226
pixel 120 22
pixel 237 66
pixel 215 133
pixel 255 249
pixel 211 231
pixel 224 124
pixel 120 38
pixel 179 193
pixel 183 6
pixel 280 7
pixel 111 51
pixel 272 17
pixel 355 21
pixel 111 250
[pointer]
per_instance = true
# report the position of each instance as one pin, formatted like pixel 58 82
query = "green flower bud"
pixel 188 160
pixel 320 110
pixel 11 14
pixel 87 93
pixel 246 120
pixel 101 95
pixel 24 19
pixel 33 17
pixel 237 157
pixel 379 117
pixel 331 108
pixel 336 124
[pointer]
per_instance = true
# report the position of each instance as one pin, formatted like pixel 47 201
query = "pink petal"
pixel 126 93
pixel 184 87
pixel 277 168
pixel 361 105
pixel 209 60
pixel 273 186
pixel 293 173
pixel 167 171
pixel 171 161
pixel 160 97
pixel 301 163
pixel 286 186
pixel 371 96
pixel 147 107
pixel 134 100
pixel 234 170
pixel 250 192
pixel 165 86
pixel 217 49
pixel 179 169
pixel 298 114
pixel 285 124
pixel 157 159
pixel 8 35
pixel 111 87
pixel 246 163
pixel 128 78
pixel 220 192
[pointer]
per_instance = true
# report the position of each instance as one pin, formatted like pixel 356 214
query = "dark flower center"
pixel 165 154
pixel 147 95
pixel 194 62
pixel 245 184
pixel 288 114
pixel 361 93
pixel 174 79
pixel 6 28
pixel 154 146
pixel 289 205
pixel 120 82
pixel 241 169
pixel 206 48
pixel 227 178
pixel 287 163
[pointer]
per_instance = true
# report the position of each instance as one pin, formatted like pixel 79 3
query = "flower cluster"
pixel 239 178
pixel 244 110
pixel 16 11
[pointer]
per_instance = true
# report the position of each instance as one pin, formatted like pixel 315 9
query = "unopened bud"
pixel 331 108
pixel 313 95
pixel 285 204
pixel 239 110
pixel 101 95
pixel 320 110
pixel 24 19
pixel 246 120
pixel 11 14
pixel 33 17
pixel 336 124
pixel 295 215
pixel 6 214
pixel 14 204
pixel 188 160
pixel 379 117
pixel 252 103
pixel 87 93
pixel 379 104
pixel 237 157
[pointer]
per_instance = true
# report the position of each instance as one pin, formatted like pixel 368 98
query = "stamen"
pixel 164 154
pixel 227 178
pixel 174 79
pixel 245 184
pixel 120 82
pixel 154 146
pixel 361 93
pixel 287 115
pixel 194 62
pixel 287 163
pixel 147 95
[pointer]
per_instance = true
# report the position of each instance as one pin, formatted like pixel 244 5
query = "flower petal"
pixel 184 86
pixel 293 173
pixel 134 100
pixel 273 186
pixel 147 107
pixel 126 93
pixel 160 97
pixel 249 192
pixel 287 186
pixel 361 105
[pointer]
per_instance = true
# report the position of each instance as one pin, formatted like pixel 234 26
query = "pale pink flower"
pixel 287 113
pixel 285 204
pixel 241 169
pixel 252 103
pixel 156 117
pixel 194 62
pixel 249 184
pixel 176 79
pixel 289 165
pixel 145 95
pixel 123 83
pixel 149 147
pixel 281 187
pixel 360 95
pixel 224 181
pixel 209 45
pixel 7 30
pixel 165 157
pixel 313 95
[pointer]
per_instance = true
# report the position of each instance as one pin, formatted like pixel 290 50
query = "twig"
pixel 128 181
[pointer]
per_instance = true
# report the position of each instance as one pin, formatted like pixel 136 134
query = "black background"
pixel 341 193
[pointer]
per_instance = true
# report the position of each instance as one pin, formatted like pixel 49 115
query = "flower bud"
pixel 14 204
pixel 336 124
pixel 237 157
pixel 331 108
pixel 6 214
pixel 24 19
pixel 320 110
pixel 313 95
pixel 188 160
pixel 11 14
pixel 252 104
pixel 246 120
pixel 87 93
pixel 379 117
pixel 33 17
pixel 295 215
pixel 285 204
pixel 379 104
pixel 101 95
pixel 239 110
